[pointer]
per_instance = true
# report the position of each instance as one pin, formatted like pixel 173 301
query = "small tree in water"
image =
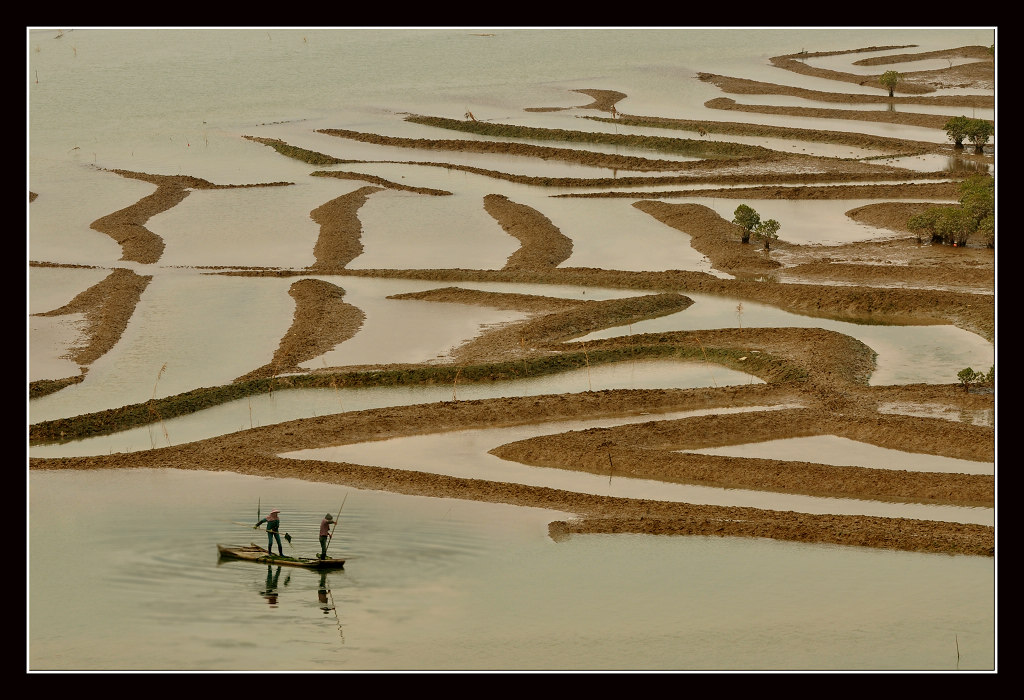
pixel 978 133
pixel 890 79
pixel 767 231
pixel 956 130
pixel 747 219
pixel 975 216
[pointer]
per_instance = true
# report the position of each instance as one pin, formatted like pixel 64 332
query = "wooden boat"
pixel 253 552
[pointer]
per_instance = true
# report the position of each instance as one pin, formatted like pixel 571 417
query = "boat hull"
pixel 257 554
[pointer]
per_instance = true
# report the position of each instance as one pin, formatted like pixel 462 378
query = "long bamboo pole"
pixel 331 536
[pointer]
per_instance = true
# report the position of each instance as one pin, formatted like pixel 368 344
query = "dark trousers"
pixel 323 546
pixel 271 536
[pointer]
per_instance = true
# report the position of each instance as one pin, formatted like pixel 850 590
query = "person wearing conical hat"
pixel 273 522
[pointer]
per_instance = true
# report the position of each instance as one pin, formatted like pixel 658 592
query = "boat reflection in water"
pixel 325 599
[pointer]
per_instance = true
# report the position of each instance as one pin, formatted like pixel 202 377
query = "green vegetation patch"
pixel 763 130
pixel 155 410
pixel 311 157
pixel 44 387
pixel 661 144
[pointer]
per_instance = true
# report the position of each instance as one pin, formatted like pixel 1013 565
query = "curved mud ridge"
pixel 542 245
pixel 339 242
pixel 321 322
pixel 108 306
pixel 127 226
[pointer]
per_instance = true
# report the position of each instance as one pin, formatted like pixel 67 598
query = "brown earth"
pixel 322 321
pixel 542 245
pixel 818 378
pixel 340 230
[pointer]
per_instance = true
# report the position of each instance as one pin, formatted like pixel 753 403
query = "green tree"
pixel 890 79
pixel 975 215
pixel 978 196
pixel 767 231
pixel 978 201
pixel 955 226
pixel 747 219
pixel 956 130
pixel 978 133
pixel 987 229
pixel 968 377
pixel 926 223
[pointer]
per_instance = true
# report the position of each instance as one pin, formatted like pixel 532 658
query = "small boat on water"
pixel 253 552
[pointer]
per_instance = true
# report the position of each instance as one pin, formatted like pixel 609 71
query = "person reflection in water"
pixel 322 594
pixel 270 594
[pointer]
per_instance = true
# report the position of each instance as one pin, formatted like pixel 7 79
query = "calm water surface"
pixel 465 453
pixel 131 581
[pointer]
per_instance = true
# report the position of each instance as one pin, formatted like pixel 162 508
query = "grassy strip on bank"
pixel 61 430
pixel 662 144
pixel 702 173
pixel 895 148
pixel 306 156
pixel 373 179
pixel 45 387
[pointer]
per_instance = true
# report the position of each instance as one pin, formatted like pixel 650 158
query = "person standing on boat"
pixel 273 531
pixel 325 534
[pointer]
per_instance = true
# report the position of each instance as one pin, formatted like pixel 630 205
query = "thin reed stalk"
pixel 156 413
pixel 455 385
pixel 706 362
pixel 586 357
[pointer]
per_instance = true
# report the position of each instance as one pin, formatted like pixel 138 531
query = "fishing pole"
pixel 287 537
pixel 331 535
pixel 235 522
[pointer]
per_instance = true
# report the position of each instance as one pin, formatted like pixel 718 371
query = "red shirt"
pixel 325 527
